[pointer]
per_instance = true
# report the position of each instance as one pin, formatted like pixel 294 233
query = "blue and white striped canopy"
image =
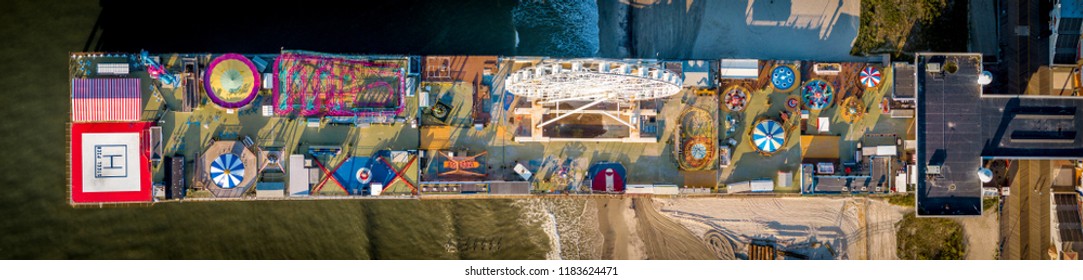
pixel 227 171
pixel 768 136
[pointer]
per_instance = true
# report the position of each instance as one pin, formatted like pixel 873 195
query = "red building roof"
pixel 110 163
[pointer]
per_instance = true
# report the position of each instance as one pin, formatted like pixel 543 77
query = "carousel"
pixel 783 78
pixel 231 81
pixel 228 169
pixel 793 103
pixel 768 136
pixel 735 98
pixel 852 109
pixel 818 94
pixel 869 77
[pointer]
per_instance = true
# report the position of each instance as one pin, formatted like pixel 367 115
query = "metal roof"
pixel 106 100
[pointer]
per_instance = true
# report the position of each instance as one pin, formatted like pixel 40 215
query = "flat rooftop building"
pixel 959 126
pixel 949 135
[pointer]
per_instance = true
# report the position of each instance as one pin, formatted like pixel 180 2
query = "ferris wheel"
pixel 592 80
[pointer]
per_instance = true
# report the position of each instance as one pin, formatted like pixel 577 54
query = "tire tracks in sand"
pixel 634 229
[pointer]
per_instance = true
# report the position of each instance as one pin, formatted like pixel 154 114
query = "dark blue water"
pixel 373 27
pixel 479 27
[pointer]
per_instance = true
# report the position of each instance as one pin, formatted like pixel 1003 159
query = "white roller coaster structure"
pixel 592 80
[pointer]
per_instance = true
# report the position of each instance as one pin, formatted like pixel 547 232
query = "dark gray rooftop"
pixel 881 171
pixel 950 136
pixel 904 81
pixel 1032 127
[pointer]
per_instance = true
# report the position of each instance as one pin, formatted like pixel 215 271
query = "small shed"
pixel 739 69
pixel 640 189
pixel 270 190
pixel 176 188
pixel 697 73
pixel 666 189
pixel 155 143
pixel 785 179
pixel 119 69
pixel 298 176
pixel 512 187
pixel 759 185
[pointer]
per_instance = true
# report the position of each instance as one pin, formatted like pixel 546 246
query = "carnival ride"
pixel 793 103
pixel 231 81
pixel 869 77
pixel 313 84
pixel 783 78
pixel 371 175
pixel 697 140
pixel 818 94
pixel 462 165
pixel 735 98
pixel 768 136
pixel 156 70
pixel 229 169
pixel 593 81
pixel 853 109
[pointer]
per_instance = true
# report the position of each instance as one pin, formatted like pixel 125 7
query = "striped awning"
pixel 106 100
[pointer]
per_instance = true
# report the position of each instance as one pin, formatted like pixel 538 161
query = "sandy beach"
pixel 612 228
pixel 761 29
pixel 982 236
pixel 849 228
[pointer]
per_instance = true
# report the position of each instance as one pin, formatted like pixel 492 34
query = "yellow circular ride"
pixel 231 81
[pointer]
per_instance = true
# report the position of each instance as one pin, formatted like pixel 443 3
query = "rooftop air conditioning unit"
pixel 932 67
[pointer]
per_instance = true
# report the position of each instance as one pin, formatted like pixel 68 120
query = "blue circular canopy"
pixel 782 77
pixel 227 171
pixel 768 136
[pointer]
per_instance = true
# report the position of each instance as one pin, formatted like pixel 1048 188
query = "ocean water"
pixel 38 224
pixel 417 27
pixel 557 28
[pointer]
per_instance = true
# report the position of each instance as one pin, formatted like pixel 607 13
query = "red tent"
pixel 607 177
